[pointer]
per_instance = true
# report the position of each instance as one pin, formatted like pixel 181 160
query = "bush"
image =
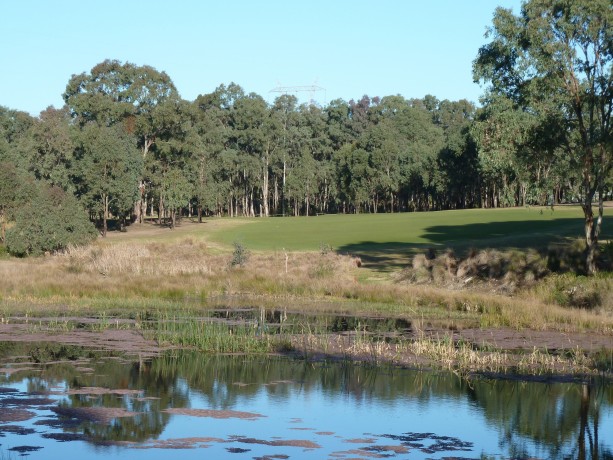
pixel 240 255
pixel 48 223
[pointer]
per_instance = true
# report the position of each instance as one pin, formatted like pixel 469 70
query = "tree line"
pixel 127 145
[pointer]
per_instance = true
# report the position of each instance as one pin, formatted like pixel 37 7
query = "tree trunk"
pixel 275 200
pixel 137 214
pixel 199 213
pixel 283 188
pixel 105 201
pixel 3 225
pixel 265 188
pixel 592 231
pixel 161 211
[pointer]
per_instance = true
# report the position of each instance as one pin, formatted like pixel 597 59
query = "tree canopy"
pixel 553 63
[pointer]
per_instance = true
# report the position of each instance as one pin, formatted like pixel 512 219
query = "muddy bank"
pixel 120 340
pixel 494 349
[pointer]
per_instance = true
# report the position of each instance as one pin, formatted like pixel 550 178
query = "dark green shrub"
pixel 49 222
pixel 240 255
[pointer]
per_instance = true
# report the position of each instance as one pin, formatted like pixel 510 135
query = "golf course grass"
pixel 385 240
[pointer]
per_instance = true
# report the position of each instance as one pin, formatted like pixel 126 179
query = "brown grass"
pixel 133 275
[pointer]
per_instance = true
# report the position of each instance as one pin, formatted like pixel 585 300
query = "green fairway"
pixel 386 236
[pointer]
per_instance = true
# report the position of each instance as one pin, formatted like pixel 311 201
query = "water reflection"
pixel 312 407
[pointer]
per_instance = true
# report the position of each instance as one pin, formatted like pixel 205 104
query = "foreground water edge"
pixel 58 399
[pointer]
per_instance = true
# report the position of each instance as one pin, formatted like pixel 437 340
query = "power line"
pixel 311 89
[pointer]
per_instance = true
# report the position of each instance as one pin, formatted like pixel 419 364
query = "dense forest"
pixel 127 146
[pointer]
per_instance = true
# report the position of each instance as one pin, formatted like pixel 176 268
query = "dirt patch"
pixel 278 442
pixel 399 449
pixel 93 414
pixel 272 457
pixel 512 339
pixel 211 413
pixel 178 443
pixel 97 391
pixel 8 415
pixel 357 454
pixel 127 341
pixel 361 440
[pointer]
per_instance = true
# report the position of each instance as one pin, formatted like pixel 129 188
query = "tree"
pixel 14 128
pixel 52 147
pixel 176 191
pixel 17 187
pixel 135 96
pixel 561 52
pixel 109 165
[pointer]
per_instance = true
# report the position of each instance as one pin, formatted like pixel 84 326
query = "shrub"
pixel 48 223
pixel 240 255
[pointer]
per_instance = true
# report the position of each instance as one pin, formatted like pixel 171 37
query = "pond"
pixel 59 401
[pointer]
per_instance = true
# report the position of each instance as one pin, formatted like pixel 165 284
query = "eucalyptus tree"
pixel 108 166
pixel 175 191
pixel 285 111
pixel 339 123
pixel 14 129
pixel 458 160
pixel 312 127
pixel 561 52
pixel 17 187
pixel 206 172
pixel 51 145
pixel 15 180
pixel 172 151
pixel 116 93
pixel 256 135
pixel 501 130
pixel 421 143
pixel 216 161
pixel 385 146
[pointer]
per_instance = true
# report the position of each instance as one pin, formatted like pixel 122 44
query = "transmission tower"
pixel 312 90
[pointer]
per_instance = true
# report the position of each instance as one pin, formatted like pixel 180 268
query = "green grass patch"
pixel 384 238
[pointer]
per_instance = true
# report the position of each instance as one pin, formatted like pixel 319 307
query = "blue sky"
pixel 348 47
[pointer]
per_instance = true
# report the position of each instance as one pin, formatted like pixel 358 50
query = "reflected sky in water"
pixel 297 409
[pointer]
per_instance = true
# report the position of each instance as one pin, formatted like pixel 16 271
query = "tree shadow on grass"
pixel 507 235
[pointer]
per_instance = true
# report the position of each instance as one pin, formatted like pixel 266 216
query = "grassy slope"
pixel 385 240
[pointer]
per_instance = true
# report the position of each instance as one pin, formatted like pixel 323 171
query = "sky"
pixel 347 47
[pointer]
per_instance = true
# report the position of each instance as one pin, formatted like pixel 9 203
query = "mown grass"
pixel 514 226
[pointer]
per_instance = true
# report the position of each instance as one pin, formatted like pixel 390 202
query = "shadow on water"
pixel 505 235
pixel 562 419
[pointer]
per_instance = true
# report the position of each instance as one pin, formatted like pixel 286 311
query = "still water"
pixel 64 402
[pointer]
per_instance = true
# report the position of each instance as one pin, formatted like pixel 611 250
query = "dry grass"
pixel 183 258
pixel 133 275
pixel 443 353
